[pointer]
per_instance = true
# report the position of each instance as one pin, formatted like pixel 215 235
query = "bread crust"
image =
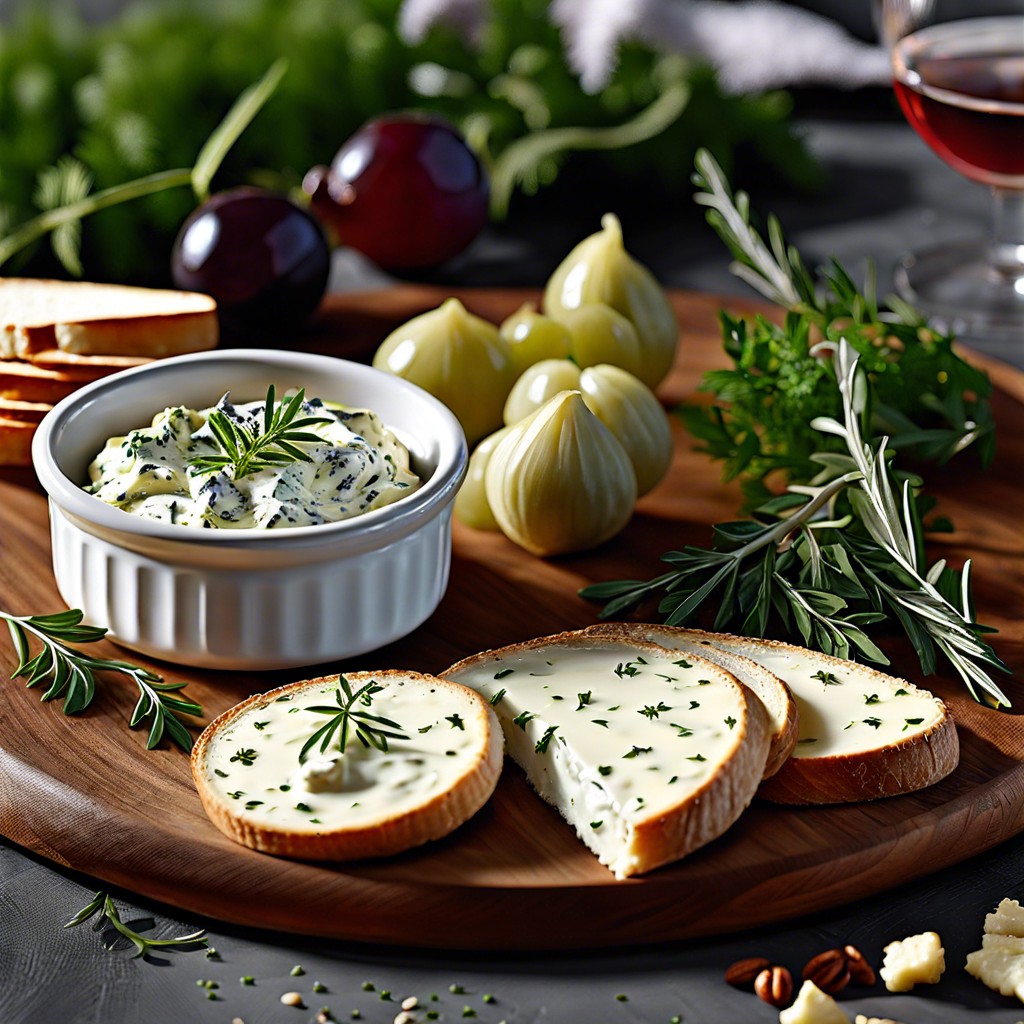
pixel 923 758
pixel 391 834
pixel 772 691
pixel 16 442
pixel 705 813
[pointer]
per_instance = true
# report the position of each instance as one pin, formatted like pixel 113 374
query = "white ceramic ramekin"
pixel 250 599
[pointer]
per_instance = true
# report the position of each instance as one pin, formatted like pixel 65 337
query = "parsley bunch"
pixel 925 398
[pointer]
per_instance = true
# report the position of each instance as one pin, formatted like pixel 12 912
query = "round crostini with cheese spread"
pixel 345 767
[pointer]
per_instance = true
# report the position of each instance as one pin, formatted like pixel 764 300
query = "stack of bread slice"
pixel 56 336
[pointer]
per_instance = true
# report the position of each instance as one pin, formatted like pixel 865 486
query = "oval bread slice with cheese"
pixel 863 734
pixel 647 755
pixel 363 803
pixel 773 693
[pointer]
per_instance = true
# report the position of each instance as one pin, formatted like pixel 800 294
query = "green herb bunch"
pixel 72 675
pixel 828 559
pixel 925 398
pixel 348 716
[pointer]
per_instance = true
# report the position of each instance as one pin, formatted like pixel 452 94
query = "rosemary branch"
pixel 72 674
pixel 109 917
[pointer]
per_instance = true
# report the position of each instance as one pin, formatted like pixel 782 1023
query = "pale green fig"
pixel 601 335
pixel 540 382
pixel 459 358
pixel 630 410
pixel 471 506
pixel 600 270
pixel 559 481
pixel 531 337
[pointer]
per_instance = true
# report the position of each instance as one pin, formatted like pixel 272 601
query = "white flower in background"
pixel 754 45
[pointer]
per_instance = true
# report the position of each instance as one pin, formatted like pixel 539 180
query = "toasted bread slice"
pixel 647 755
pixel 25 412
pixel 16 442
pixel 102 319
pixel 366 802
pixel 773 693
pixel 863 734
pixel 71 362
pixel 29 382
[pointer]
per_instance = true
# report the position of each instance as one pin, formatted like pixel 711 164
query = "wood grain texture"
pixel 84 792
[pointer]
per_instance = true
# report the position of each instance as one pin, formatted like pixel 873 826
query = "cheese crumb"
pixel 1000 962
pixel 918 959
pixel 813 1006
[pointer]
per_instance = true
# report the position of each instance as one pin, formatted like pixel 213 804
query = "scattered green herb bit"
pixel 432 1015
pixel 675 778
pixel 72 674
pixel 668 679
pixel 245 755
pixel 875 723
pixel 468 1011
pixel 604 769
pixel 637 751
pixel 652 711
pixel 425 728
pixel 730 721
pixel 683 731
pixel 251 804
pixel 911 721
pixel 682 663
pixel 356 1015
pixel 627 669
pixel 901 692
pixel 220 774
pixel 600 721
pixel 367 986
pixel 103 905
pixel 541 747
pixel 675 1019
pixel 456 721
pixel 694 704
pixel 283 698
pixel 697 757
pixel 260 726
pixel 595 825
pixel 212 996
pixel 246 979
pixel 811 739
pixel 871 698
pixel 370 730
pixel 499 696
pixel 558 696
pixel 212 954
pixel 304 807
pixel 434 997
pixel 504 672
pixel 315 821
pixel 456 990
pixel 615 707
pixel 622 997
pixel 319 986
pixel 584 699
pixel 297 971
pixel 449 753
pixel 385 995
pixel 827 678
pixel 237 794
pixel 285 788
pixel 488 998
pixel 522 718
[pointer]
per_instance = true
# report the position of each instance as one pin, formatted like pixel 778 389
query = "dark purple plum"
pixel 263 258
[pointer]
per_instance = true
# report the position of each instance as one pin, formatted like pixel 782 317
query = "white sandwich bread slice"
pixel 772 692
pixel 862 734
pixel 647 755
pixel 441 762
pixel 29 382
pixel 83 318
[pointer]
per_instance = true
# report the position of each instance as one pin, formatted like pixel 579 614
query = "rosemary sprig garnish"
pixel 250 451
pixel 833 557
pixel 109 917
pixel 72 674
pixel 370 730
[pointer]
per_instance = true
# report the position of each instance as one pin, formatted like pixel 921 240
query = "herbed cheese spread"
pixel 254 764
pixel 358 466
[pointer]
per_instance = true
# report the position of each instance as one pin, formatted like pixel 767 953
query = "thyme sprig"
pixel 348 716
pixel 833 557
pixel 248 451
pixel 72 674
pixel 109 917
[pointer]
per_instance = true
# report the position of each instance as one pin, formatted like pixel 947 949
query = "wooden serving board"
pixel 85 793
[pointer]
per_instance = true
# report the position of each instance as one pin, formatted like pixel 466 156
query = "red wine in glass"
pixel 963 91
pixel 961 86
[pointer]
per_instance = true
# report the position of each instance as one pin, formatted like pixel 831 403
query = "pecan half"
pixel 775 986
pixel 742 973
pixel 861 972
pixel 829 971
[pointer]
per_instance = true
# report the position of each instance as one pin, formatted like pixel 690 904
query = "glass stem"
pixel 1008 233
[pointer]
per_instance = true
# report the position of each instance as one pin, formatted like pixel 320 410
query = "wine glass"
pixel 958 69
